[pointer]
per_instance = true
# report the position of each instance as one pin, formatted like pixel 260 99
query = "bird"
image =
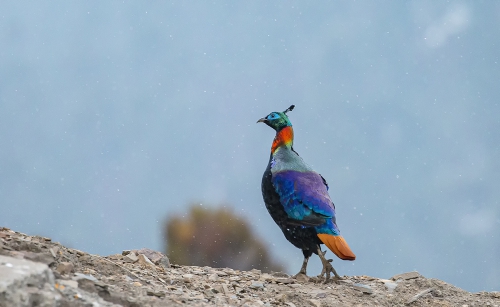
pixel 297 199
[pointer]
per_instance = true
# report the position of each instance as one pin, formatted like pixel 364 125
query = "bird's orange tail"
pixel 337 245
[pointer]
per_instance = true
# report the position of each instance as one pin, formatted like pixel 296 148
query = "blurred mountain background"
pixel 117 115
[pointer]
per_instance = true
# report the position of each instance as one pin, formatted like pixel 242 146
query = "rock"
pixel 125 252
pixel 406 276
pixel 257 285
pixel 280 274
pixel 390 285
pixel 146 263
pixel 209 293
pixel 302 278
pixel 46 258
pixel 131 258
pixel 221 273
pixel 213 277
pixel 156 293
pixel 64 268
pixel 22 283
pixel 320 295
pixel 363 288
pixel 152 255
pixel 187 277
pixel 108 281
pixel 266 277
pixel 87 285
pixel 79 252
pixel 418 295
pixel 79 276
pixel 68 283
pixel 285 281
pixel 53 251
pixel 218 289
pixel 164 262
pixel 225 289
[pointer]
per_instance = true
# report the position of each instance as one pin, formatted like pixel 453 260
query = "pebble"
pixel 320 295
pixel 266 277
pixel 46 258
pixel 79 252
pixel 280 274
pixel 187 277
pixel 406 276
pixel 156 293
pixel 68 283
pixel 64 268
pixel 213 277
pixel 390 285
pixel 225 289
pixel 53 251
pixel 152 255
pixel 363 288
pixel 145 262
pixel 198 297
pixel 131 258
pixel 218 289
pixel 164 262
pixel 79 276
pixel 285 280
pixel 257 285
pixel 315 303
pixel 302 278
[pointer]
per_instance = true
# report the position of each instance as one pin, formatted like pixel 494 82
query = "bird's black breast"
pixel 301 237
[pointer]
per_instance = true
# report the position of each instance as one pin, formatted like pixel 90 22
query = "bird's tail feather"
pixel 337 245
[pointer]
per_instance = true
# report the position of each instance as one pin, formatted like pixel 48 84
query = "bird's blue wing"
pixel 304 197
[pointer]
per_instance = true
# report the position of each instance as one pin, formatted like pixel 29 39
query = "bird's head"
pixel 277 120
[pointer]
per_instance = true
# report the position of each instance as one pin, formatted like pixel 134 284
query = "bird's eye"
pixel 272 116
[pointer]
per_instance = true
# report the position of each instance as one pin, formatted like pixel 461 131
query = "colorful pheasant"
pixel 298 201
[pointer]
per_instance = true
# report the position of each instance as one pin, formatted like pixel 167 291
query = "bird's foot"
pixel 302 275
pixel 327 267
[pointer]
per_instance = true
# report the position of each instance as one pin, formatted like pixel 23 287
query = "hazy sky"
pixel 115 114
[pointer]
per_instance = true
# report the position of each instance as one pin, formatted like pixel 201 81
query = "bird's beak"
pixel 262 120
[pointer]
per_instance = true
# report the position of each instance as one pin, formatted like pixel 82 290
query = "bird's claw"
pixel 327 270
pixel 327 267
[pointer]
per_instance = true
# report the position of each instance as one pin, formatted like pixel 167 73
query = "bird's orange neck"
pixel 283 138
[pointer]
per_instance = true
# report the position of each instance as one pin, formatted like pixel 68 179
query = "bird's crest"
pixel 289 109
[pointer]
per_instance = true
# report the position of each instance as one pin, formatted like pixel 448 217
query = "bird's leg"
pixel 304 266
pixel 302 275
pixel 327 266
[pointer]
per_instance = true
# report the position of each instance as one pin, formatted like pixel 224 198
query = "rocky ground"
pixel 34 271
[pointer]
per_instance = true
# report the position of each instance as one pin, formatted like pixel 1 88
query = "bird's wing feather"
pixel 304 197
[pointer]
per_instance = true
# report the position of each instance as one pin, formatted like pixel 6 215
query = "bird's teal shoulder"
pixel 285 159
